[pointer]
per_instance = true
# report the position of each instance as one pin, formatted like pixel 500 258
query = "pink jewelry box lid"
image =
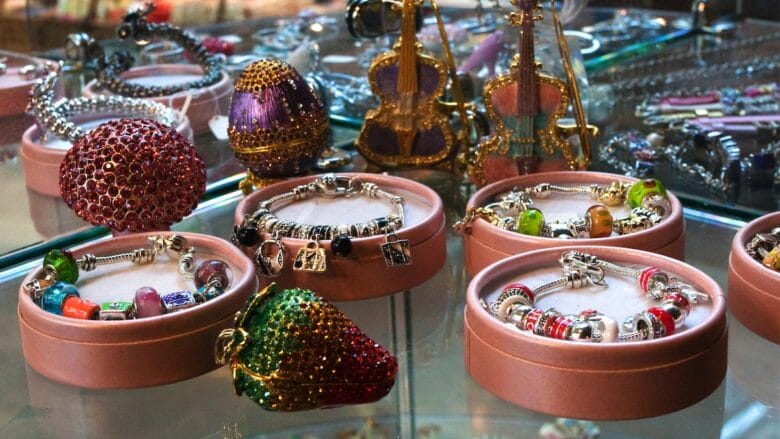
pixel 364 273
pixel 134 353
pixel 206 102
pixel 592 380
pixel 754 290
pixel 486 243
pixel 41 163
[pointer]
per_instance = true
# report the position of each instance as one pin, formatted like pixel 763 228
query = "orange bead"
pixel 78 308
pixel 600 219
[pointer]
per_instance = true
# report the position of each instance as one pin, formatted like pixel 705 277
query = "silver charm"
pixel 310 258
pixel 269 257
pixel 396 251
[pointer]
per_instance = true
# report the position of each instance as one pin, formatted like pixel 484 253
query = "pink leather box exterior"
pixel 134 353
pixel 591 380
pixel 364 273
pixel 41 164
pixel 754 290
pixel 486 244
pixel 206 102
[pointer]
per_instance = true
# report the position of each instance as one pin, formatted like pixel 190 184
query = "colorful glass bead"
pixel 517 289
pixel 117 311
pixel 324 361
pixel 341 245
pixel 530 222
pixel 649 279
pixel 55 296
pixel 64 264
pixel 78 308
pixel 208 292
pixel 148 303
pixel 600 220
pixel 679 300
pixel 178 301
pixel 665 318
pixel 641 189
pixel 772 259
pixel 212 270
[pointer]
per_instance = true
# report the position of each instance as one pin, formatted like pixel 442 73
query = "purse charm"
pixel 291 350
pixel 396 251
pixel 269 257
pixel 310 258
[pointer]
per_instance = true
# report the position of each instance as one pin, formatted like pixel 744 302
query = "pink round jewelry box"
pixel 14 96
pixel 364 273
pixel 607 381
pixel 206 102
pixel 41 162
pixel 134 353
pixel 486 244
pixel 754 290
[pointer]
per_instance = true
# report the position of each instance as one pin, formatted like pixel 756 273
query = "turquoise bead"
pixel 65 265
pixel 530 222
pixel 209 292
pixel 55 295
pixel 641 189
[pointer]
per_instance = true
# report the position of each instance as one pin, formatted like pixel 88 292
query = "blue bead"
pixel 56 294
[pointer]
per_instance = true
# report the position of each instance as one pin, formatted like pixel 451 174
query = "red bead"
pixel 78 308
pixel 518 288
pixel 679 300
pixel 559 329
pixel 532 318
pixel 645 276
pixel 212 270
pixel 664 317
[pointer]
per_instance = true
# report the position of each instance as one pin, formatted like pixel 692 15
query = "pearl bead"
pixel 607 328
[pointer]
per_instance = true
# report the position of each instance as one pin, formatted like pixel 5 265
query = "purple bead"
pixel 178 301
pixel 212 270
pixel 148 302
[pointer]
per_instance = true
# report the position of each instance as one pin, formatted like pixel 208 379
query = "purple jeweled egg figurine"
pixel 278 126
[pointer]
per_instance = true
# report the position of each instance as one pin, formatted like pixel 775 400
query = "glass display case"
pixel 657 57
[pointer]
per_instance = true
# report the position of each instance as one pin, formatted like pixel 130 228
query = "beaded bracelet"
pixel 765 248
pixel 53 117
pixel 135 25
pixel 515 304
pixel 270 254
pixel 56 292
pixel 647 199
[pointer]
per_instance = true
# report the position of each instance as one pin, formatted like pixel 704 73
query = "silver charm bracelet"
pixel 53 117
pixel 270 254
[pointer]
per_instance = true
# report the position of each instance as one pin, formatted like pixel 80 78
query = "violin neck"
pixel 407 63
pixel 527 89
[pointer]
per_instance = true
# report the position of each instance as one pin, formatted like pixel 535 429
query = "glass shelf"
pixel 434 397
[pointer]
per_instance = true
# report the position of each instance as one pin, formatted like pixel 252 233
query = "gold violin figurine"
pixel 410 128
pixel 525 105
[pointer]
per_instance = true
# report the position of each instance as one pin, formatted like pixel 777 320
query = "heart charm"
pixel 292 350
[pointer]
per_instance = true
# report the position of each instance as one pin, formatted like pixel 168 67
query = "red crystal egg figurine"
pixel 132 175
pixel 277 125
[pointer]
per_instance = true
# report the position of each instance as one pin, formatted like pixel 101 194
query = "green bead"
pixel 530 222
pixel 64 264
pixel 641 189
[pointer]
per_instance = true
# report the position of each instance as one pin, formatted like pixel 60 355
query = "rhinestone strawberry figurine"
pixel 292 350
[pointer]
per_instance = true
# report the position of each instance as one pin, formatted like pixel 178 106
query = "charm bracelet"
pixel 516 304
pixel 270 254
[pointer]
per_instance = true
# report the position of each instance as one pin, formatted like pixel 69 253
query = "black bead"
pixel 248 236
pixel 341 245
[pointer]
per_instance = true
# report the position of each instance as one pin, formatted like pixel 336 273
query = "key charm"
pixel 310 258
pixel 269 257
pixel 396 251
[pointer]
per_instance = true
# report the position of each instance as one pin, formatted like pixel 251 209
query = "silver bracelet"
pixel 269 256
pixel 109 68
pixel 53 117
